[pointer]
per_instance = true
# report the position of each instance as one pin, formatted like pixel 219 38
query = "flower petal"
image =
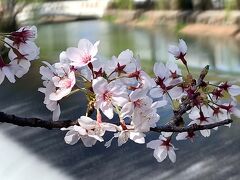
pixel 174 50
pixel 154 144
pixel 172 154
pixel 56 113
pixel 234 90
pixel 156 92
pixel 137 137
pixel 71 137
pixel 9 74
pixel 160 153
pixel 88 141
pixel 205 132
pixel 2 76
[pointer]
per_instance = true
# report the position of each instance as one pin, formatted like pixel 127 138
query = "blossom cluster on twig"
pixel 22 50
pixel 120 88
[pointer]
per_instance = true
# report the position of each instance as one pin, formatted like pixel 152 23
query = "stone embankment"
pixel 218 23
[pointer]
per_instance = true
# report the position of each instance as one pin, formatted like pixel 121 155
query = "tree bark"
pixel 36 122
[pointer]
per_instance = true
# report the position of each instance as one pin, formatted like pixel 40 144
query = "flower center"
pixel 160 81
pixel 21 37
pixel 166 143
pixel 202 118
pixel 107 96
pixel 137 103
pixel 218 93
pixel 67 83
pixel 217 111
pixel 225 86
pixel 174 74
pixel 87 58
pixel 191 134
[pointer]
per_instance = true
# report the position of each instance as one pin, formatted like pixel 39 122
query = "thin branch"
pixel 193 127
pixel 36 122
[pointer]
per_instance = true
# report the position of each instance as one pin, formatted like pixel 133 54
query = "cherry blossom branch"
pixel 186 105
pixel 120 86
pixel 194 127
pixel 36 122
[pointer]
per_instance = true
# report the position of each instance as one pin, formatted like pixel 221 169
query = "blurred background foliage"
pixel 173 4
pixel 122 4
pixel 178 4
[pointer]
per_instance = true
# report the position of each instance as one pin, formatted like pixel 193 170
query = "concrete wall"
pixel 77 9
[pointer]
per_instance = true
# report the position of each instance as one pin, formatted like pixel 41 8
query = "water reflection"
pixel 29 165
pixel 221 54
pixel 217 157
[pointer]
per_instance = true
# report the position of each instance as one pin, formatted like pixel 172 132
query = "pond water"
pixel 28 153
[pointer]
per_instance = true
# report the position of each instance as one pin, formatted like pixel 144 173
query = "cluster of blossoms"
pixel 120 88
pixel 22 50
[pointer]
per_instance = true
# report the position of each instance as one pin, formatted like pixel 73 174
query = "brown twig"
pixel 36 122
pixel 193 127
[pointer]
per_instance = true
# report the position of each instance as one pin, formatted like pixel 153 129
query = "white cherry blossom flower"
pixel 83 54
pixel 231 109
pixel 162 149
pixel 74 134
pixel 233 90
pixel 14 68
pixel 59 80
pixel 144 120
pixel 166 81
pixel 22 50
pixel 22 45
pixel 135 136
pixel 174 72
pixel 201 116
pixel 136 100
pixel 64 84
pixel 142 111
pixel 121 65
pixel 22 36
pixel 6 70
pixel 89 131
pixel 98 70
pixel 62 77
pixel 109 95
pixel 178 51
pixel 95 130
pixel 126 133
pixel 19 68
pixel 141 82
pixel 218 114
pixel 27 51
